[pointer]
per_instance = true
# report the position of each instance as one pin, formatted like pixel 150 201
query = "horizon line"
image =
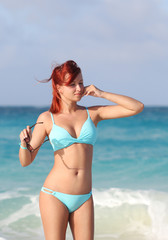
pixel 48 106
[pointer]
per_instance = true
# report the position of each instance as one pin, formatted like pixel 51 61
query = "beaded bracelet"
pixel 22 146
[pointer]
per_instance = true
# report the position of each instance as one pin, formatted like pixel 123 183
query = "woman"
pixel 66 195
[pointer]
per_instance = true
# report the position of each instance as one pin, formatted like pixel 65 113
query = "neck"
pixel 68 107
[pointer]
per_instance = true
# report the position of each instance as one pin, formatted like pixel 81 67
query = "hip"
pixel 73 182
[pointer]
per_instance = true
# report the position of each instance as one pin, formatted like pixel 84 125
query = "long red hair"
pixel 62 74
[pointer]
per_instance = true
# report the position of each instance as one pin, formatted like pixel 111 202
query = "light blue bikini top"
pixel 61 138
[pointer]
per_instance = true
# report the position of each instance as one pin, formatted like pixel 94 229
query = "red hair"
pixel 62 74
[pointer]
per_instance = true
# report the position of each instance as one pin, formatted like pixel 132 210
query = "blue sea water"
pixel 130 177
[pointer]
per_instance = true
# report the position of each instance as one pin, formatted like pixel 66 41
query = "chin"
pixel 77 100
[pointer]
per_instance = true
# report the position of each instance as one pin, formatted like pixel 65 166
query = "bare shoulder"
pixel 94 113
pixel 94 109
pixel 45 117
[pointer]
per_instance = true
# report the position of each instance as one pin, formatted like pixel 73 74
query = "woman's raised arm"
pixel 126 106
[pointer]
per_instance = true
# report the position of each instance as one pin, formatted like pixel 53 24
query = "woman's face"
pixel 74 90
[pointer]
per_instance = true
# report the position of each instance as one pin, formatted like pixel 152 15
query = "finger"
pixel 26 136
pixel 84 90
pixel 87 93
pixel 87 90
pixel 22 136
pixel 84 93
pixel 28 130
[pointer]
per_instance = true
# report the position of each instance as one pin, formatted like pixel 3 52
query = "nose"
pixel 78 87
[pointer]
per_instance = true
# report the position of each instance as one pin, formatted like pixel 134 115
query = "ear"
pixel 59 88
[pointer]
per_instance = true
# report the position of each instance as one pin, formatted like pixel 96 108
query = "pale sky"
pixel 120 45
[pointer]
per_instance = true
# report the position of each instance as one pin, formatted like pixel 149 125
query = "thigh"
pixel 54 215
pixel 81 221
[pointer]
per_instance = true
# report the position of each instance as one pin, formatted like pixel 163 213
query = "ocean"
pixel 130 177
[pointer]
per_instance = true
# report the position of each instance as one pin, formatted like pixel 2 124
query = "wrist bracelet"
pixel 22 146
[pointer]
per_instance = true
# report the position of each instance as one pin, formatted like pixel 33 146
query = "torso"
pixel 72 170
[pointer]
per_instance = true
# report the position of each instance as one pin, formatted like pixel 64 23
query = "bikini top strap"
pixel 87 111
pixel 52 117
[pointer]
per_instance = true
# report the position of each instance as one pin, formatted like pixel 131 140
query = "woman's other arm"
pixel 36 139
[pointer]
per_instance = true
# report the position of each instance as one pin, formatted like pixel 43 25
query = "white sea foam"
pixel 9 195
pixel 126 213
pixel 119 214
pixel 27 210
pixel 12 194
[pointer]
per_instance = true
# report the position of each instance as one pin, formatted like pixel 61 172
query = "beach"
pixel 130 177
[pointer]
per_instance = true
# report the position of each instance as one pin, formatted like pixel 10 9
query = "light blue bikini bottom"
pixel 72 202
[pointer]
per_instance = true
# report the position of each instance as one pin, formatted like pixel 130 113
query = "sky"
pixel 121 47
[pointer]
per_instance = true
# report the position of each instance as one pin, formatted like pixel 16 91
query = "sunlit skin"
pixel 75 88
pixel 72 169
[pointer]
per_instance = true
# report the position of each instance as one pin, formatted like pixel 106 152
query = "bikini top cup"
pixel 61 138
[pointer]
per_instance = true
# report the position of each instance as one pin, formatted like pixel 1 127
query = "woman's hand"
pixel 26 135
pixel 92 91
pixel 24 155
